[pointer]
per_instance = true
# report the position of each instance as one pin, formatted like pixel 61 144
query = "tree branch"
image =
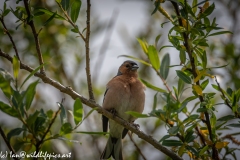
pixel 135 144
pixel 31 24
pixel 7 142
pixel 88 71
pixel 10 37
pixel 69 91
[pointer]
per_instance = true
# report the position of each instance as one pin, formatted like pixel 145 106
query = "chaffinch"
pixel 124 93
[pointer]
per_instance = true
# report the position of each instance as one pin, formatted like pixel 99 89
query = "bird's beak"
pixel 134 67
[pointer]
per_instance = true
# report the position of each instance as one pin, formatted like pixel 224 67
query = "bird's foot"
pixel 113 111
pixel 137 126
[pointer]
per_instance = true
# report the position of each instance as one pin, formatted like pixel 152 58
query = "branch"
pixel 8 143
pixel 10 37
pixel 69 91
pixel 135 144
pixel 38 145
pixel 31 24
pixel 88 72
pixel 70 21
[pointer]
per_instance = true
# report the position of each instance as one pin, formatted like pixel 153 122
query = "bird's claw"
pixel 137 126
pixel 113 111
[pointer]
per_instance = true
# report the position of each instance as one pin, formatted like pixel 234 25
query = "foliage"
pixel 189 35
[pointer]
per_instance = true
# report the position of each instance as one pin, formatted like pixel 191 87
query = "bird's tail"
pixel 113 148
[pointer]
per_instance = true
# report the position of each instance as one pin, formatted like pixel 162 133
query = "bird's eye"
pixel 127 65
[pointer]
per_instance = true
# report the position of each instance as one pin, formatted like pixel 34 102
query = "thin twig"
pixel 88 71
pixel 7 142
pixel 70 21
pixel 10 37
pixel 90 103
pixel 39 143
pixel 31 24
pixel 135 144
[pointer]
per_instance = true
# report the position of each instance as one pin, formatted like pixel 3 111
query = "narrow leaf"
pixel 14 132
pixel 75 9
pixel 49 19
pixel 170 143
pixel 66 128
pixel 16 66
pixel 77 111
pixel 183 76
pixel 63 114
pixel 8 109
pixel 65 4
pixel 143 45
pixel 197 89
pixel 137 59
pixel 227 118
pixel 164 69
pixel 31 74
pixel 149 85
pixel 30 93
pixel 153 57
pixel 50 13
pixel 137 114
pixel 173 130
pixel 194 3
pixel 218 33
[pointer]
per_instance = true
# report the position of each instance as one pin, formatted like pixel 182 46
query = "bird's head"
pixel 128 67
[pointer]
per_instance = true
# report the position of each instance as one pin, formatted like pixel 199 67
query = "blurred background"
pixel 115 27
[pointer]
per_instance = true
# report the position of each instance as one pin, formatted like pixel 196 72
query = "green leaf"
pixel 203 150
pixel 182 56
pixel 164 137
pixel 157 39
pixel 63 114
pixel 180 86
pixel 208 11
pixel 16 66
pixel 66 128
pixel 170 143
pixel 215 87
pixel 31 74
pixel 30 93
pixel 189 137
pixel 183 76
pixel 137 114
pixel 77 111
pixel 218 33
pixel 164 69
pixel 227 118
pixel 137 59
pixel 5 86
pixel 50 13
pixel 173 130
pixel 14 132
pixel 8 110
pixel 143 44
pixel 194 3
pixel 237 125
pixel 65 4
pixel 204 84
pixel 92 133
pixel 204 60
pixel 49 19
pixel 155 102
pixel 153 57
pixel 75 9
pixel 152 86
pixel 157 4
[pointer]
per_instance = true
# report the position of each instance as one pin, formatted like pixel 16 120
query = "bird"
pixel 124 92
